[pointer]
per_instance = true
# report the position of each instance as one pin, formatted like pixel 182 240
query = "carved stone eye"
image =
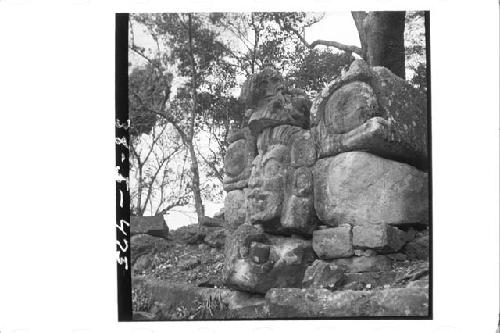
pixel 272 168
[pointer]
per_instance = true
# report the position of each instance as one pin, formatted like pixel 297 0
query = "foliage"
pixel 147 89
pixel 317 67
pixel 415 51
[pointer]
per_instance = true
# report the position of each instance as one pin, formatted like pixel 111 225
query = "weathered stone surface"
pixel 151 225
pixel 373 110
pixel 418 284
pixel 303 150
pixel 322 274
pixel 269 103
pixel 188 263
pixel 333 243
pixel 238 160
pixel 212 221
pixel 350 106
pixel 381 237
pixel 142 244
pixel 256 262
pixel 360 188
pixel 307 303
pixel 279 196
pixel 365 264
pixel 192 234
pixel 235 208
pixel 143 316
pixel 368 280
pixel 216 238
pixel 418 248
pixel 417 272
pixel 281 110
pixel 169 296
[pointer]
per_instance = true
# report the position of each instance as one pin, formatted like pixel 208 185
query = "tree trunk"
pixel 382 39
pixel 139 210
pixel 198 203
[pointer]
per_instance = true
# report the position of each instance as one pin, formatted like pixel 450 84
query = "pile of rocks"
pixel 328 195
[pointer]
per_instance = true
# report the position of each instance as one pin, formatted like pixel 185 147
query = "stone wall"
pixel 321 193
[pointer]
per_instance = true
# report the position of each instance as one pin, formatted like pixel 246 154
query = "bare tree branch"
pixel 337 45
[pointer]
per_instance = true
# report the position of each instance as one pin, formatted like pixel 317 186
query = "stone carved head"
pixel 280 194
pixel 267 184
pixel 262 86
pixel 257 262
pixel 269 102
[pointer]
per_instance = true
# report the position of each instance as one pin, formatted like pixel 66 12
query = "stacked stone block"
pixel 328 199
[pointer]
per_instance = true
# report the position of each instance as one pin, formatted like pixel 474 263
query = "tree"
pixel 187 44
pixel 276 39
pixel 382 39
pixel 155 185
pixel 381 35
pixel 152 148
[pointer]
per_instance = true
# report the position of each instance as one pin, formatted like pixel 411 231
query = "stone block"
pixel 321 303
pixel 150 225
pixel 322 274
pixel 235 208
pixel 360 188
pixel 333 243
pixel 364 264
pixel 372 110
pixel 380 237
pixel 256 262
pixel 238 160
pixel 418 249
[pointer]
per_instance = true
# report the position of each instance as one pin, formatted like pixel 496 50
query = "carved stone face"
pixel 256 261
pixel 267 184
pixel 261 86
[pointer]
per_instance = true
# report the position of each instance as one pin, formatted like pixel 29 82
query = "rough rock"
pixel 309 303
pixel 235 208
pixel 381 237
pixel 238 160
pixel 322 274
pixel 360 188
pixel 188 263
pixel 333 243
pixel 364 264
pixel 143 316
pixel 168 296
pixel 192 234
pixel 256 262
pixel 373 110
pixel 418 271
pixel 350 106
pixel 150 225
pixel 418 284
pixel 269 103
pixel 141 245
pixel 212 221
pixel 368 280
pixel 216 238
pixel 418 248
